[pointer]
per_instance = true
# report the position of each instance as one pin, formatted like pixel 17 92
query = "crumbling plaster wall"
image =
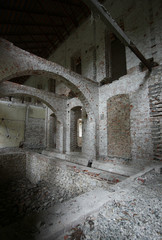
pixel 12 123
pixel 21 123
pixel 37 118
pixel 35 137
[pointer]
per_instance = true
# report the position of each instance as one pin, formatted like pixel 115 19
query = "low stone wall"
pixel 12 166
pixel 63 179
pixel 69 179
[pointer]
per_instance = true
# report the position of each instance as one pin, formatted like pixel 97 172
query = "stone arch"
pixel 13 89
pixel 88 127
pixel 16 62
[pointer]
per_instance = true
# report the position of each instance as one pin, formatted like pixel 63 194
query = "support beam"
pixel 95 6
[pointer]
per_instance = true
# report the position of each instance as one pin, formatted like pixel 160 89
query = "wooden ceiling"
pixel 39 26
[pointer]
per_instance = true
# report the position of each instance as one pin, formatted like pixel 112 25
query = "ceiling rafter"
pixel 68 3
pixel 73 20
pixel 31 35
pixel 50 20
pixel 51 14
pixel 24 42
pixel 31 24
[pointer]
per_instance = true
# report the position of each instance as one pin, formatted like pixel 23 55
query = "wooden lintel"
pixel 105 16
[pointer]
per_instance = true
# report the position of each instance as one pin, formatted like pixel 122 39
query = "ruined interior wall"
pixel 21 124
pixel 12 124
pixel 141 20
pixel 142 24
pixel 35 81
pixel 89 41
pixel 136 86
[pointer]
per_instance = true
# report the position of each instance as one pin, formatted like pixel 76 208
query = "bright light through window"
pixel 80 127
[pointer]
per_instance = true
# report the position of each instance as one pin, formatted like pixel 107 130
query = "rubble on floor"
pixel 136 215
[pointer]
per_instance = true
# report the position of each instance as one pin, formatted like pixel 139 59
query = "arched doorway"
pixel 52 131
pixel 76 129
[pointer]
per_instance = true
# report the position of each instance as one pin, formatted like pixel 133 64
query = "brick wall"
pixel 118 125
pixel 155 98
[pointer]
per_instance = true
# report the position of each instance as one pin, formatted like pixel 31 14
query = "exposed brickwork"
pixel 17 62
pixel 155 96
pixel 142 23
pixel 119 141
pixel 35 133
